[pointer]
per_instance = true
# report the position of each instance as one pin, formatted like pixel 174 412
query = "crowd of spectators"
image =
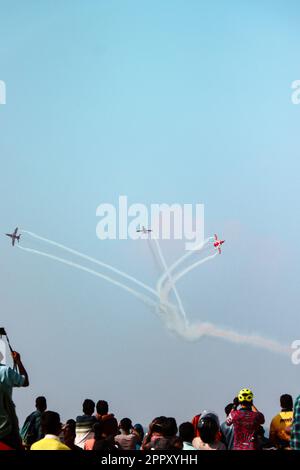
pixel 98 429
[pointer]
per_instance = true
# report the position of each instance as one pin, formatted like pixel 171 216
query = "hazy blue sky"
pixel 162 101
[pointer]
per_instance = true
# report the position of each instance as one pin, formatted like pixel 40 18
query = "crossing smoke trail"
pixel 93 260
pixel 180 260
pixel 144 298
pixel 169 313
pixel 169 285
pixel 172 285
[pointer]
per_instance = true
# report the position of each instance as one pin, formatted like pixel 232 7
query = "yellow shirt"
pixel 49 442
pixel 279 425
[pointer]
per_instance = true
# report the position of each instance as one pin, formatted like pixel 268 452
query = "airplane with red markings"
pixel 218 243
pixel 14 236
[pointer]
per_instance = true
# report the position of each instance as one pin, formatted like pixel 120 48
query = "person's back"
pixel 280 424
pixel 9 378
pixel 32 429
pixel 108 420
pixel 127 440
pixel 295 431
pixel 51 427
pixel 226 430
pixel 69 434
pixel 209 433
pixel 49 443
pixel 85 423
pixel 246 421
pixel 186 434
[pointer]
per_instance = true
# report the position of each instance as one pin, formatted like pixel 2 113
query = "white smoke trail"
pixel 171 315
pixel 147 300
pixel 180 260
pixel 169 285
pixel 172 285
pixel 95 261
pixel 197 331
pixel 154 255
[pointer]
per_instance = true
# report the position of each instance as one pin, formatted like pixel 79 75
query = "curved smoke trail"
pixel 173 320
pixel 197 331
pixel 169 285
pixel 172 285
pixel 93 260
pixel 180 260
pixel 144 298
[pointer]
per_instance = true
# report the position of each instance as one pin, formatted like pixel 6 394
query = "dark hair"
pixel 286 402
pixel 208 428
pixel 160 425
pixel 228 408
pixel 171 427
pixel 71 423
pixel 186 431
pixel 88 407
pixel 140 431
pixel 50 422
pixel 126 424
pixel 70 426
pixel 41 403
pixel 102 407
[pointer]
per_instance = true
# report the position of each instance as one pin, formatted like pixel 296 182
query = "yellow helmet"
pixel 245 395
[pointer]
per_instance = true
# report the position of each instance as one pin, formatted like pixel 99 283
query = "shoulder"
pixel 37 445
pixel 62 446
pixel 275 419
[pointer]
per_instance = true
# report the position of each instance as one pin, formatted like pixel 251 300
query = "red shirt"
pixel 245 423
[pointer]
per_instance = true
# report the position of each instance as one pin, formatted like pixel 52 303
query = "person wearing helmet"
pixel 246 420
pixel 209 433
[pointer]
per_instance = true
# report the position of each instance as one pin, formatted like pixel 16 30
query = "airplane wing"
pixel 13 241
pixel 219 250
pixel 8 235
pixel 16 231
pixel 216 237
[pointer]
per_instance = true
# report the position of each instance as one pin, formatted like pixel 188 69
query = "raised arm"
pixel 17 360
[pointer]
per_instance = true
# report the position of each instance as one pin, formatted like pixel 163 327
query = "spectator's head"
pixel 171 427
pixel 41 404
pixel 228 408
pixel 139 431
pixel 286 402
pixel 125 425
pixel 186 432
pixel 236 402
pixel 102 407
pixel 209 428
pixel 246 397
pixel 159 426
pixel 50 422
pixel 88 407
pixel 69 431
